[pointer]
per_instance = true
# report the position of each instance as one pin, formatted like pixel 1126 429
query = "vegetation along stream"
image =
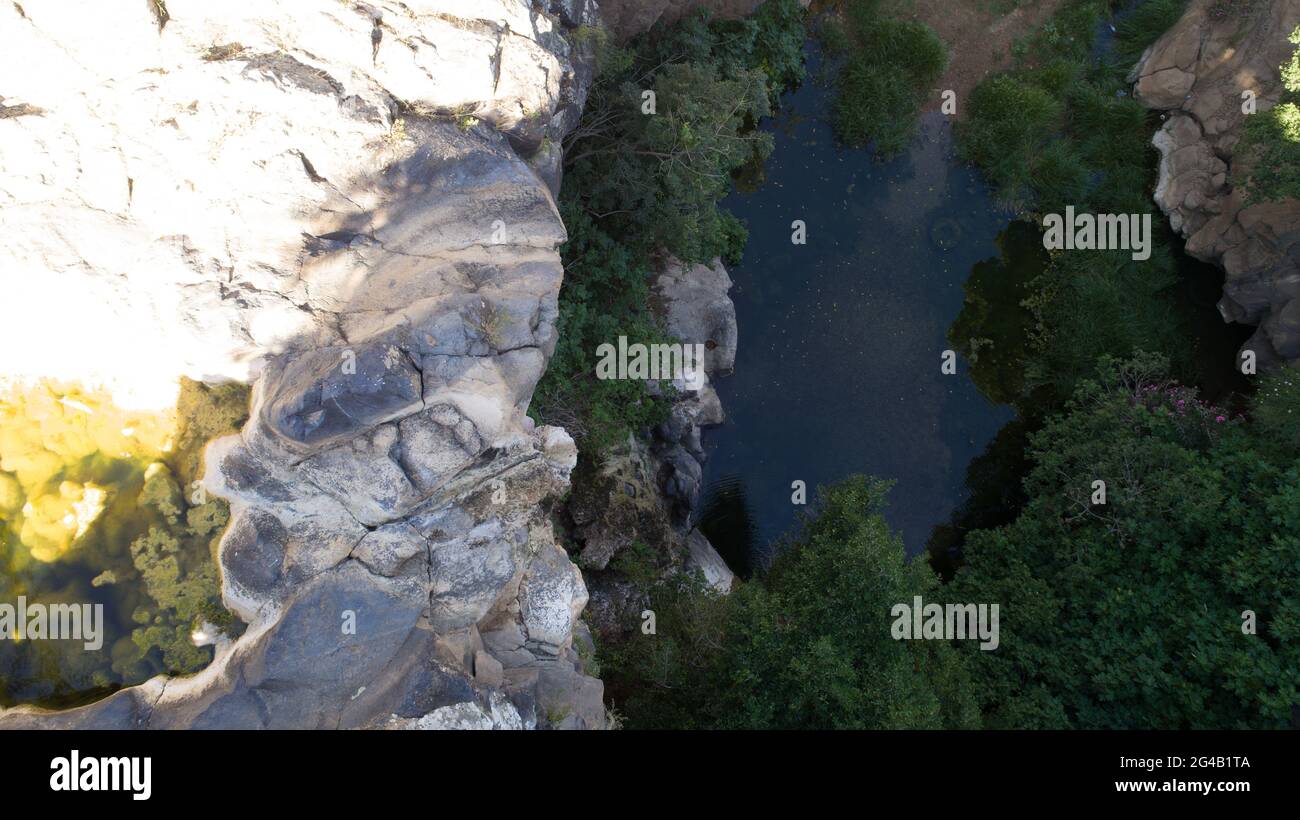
pixel 909 253
pixel 923 235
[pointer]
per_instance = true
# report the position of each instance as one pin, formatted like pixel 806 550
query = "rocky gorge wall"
pixel 351 206
pixel 648 491
pixel 1196 74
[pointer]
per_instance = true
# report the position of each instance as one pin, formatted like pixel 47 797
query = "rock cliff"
pixel 351 206
pixel 1197 73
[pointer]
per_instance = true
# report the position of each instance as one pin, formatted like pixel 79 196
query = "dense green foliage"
pixel 1127 614
pixel 1272 140
pixel 606 294
pixel 885 67
pixel 1130 614
pixel 1175 603
pixel 1142 25
pixel 643 177
pixel 650 170
pixel 1277 407
pixel 1062 130
pixel 805 645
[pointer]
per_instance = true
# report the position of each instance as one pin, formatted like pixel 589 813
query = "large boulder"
pixel 704 559
pixel 693 303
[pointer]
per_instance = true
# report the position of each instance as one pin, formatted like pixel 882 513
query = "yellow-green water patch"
pixel 99 506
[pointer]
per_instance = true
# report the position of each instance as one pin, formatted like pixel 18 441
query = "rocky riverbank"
pixel 647 492
pixel 1199 74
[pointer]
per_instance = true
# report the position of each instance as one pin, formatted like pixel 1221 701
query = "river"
pixel 841 339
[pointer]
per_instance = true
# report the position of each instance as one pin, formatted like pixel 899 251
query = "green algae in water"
pixel 96 507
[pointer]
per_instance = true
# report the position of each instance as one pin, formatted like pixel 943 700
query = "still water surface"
pixel 841 339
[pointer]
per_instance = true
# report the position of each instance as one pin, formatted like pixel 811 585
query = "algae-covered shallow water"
pixel 98 509
pixel 841 339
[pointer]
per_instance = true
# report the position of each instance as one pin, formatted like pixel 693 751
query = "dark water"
pixel 1215 343
pixel 838 367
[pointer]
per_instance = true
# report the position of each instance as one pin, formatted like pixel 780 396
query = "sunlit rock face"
pixel 1198 72
pixel 348 205
pixel 163 182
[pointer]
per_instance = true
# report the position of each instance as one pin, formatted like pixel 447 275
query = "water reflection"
pixel 840 339
pixel 726 520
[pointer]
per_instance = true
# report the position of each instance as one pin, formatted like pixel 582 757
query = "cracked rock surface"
pixel 348 205
pixel 1197 73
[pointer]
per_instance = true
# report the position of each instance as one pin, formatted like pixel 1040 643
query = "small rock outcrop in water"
pixel 1197 72
pixel 693 304
pixel 351 206
pixel 647 492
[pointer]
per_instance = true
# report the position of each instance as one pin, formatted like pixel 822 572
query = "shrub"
pixel 1008 122
pixel 1130 614
pixel 887 68
pixel 1272 140
pixel 1143 25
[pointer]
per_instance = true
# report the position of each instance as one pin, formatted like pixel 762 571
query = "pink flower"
pixel 1220 419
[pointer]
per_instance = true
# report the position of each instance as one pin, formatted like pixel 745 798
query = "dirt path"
pixel 979 40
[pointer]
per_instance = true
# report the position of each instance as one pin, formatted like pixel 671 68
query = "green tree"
pixel 1129 614
pixel 1272 139
pixel 811 646
pixel 807 644
pixel 643 177
pixel 653 179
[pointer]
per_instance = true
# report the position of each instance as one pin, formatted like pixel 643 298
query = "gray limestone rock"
pixel 693 301
pixel 300 209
